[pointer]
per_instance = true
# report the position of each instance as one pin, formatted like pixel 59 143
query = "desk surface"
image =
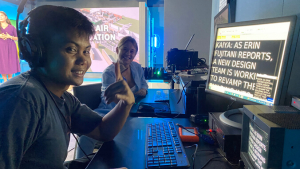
pixel 128 148
pixel 177 110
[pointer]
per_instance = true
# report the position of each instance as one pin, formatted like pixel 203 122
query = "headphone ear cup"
pixel 32 50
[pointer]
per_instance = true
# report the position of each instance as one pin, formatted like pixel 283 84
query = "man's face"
pixel 68 58
pixel 126 53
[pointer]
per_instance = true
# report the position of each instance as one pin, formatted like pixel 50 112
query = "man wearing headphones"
pixel 37 115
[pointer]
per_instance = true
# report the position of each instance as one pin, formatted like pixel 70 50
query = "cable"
pixel 183 90
pixel 228 106
pixel 209 161
pixel 62 116
pixel 227 159
pixel 71 149
pixel 181 95
pixel 205 138
pixel 218 157
pixel 193 155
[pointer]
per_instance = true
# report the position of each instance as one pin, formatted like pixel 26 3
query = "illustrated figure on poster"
pixel 9 61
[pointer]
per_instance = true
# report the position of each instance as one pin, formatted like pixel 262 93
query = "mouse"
pixel 147 108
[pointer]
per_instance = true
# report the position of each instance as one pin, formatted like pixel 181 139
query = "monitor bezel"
pixel 287 62
pixel 276 135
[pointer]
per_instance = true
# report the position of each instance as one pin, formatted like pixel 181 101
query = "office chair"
pixel 90 95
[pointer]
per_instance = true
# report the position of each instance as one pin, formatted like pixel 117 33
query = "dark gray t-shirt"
pixel 33 133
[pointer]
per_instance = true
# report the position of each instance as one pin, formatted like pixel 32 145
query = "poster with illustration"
pixel 111 25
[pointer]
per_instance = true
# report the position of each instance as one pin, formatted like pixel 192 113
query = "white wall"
pixel 261 9
pixel 143 50
pixel 182 19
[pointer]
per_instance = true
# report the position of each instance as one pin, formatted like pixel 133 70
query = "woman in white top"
pixel 132 72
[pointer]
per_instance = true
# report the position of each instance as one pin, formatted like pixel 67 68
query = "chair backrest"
pixel 89 94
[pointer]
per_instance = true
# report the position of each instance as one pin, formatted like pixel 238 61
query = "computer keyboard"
pixel 163 147
pixel 161 96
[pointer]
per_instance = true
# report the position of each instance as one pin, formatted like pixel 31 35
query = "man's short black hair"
pixel 47 21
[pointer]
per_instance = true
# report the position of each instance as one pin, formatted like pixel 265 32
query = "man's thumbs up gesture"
pixel 119 90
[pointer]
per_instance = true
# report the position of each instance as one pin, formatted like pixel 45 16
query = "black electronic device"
pixel 193 100
pixel 253 65
pixel 149 71
pixel 200 119
pixel 182 59
pixel 154 73
pixel 270 139
pixel 153 109
pixel 146 108
pixel 228 137
pixel 163 147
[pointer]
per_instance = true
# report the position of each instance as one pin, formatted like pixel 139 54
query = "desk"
pixel 177 110
pixel 128 148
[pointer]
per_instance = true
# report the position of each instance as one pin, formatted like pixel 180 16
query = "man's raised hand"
pixel 119 90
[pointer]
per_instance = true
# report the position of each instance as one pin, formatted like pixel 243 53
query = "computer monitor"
pixel 268 141
pixel 223 16
pixel 251 61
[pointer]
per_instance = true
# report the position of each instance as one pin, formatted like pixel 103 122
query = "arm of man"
pixel 113 122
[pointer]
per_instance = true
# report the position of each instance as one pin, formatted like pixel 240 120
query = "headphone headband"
pixel 31 48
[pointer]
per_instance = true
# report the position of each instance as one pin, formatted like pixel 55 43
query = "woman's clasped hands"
pixel 5 36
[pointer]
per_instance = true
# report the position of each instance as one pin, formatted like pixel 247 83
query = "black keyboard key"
pixel 164 146
pixel 153 166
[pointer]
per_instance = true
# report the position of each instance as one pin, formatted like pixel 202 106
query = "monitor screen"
pixel 250 59
pixel 258 145
pixel 111 25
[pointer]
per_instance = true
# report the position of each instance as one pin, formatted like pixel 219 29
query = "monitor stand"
pixel 232 117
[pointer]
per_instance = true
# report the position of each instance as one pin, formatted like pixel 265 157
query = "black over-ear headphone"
pixel 31 48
